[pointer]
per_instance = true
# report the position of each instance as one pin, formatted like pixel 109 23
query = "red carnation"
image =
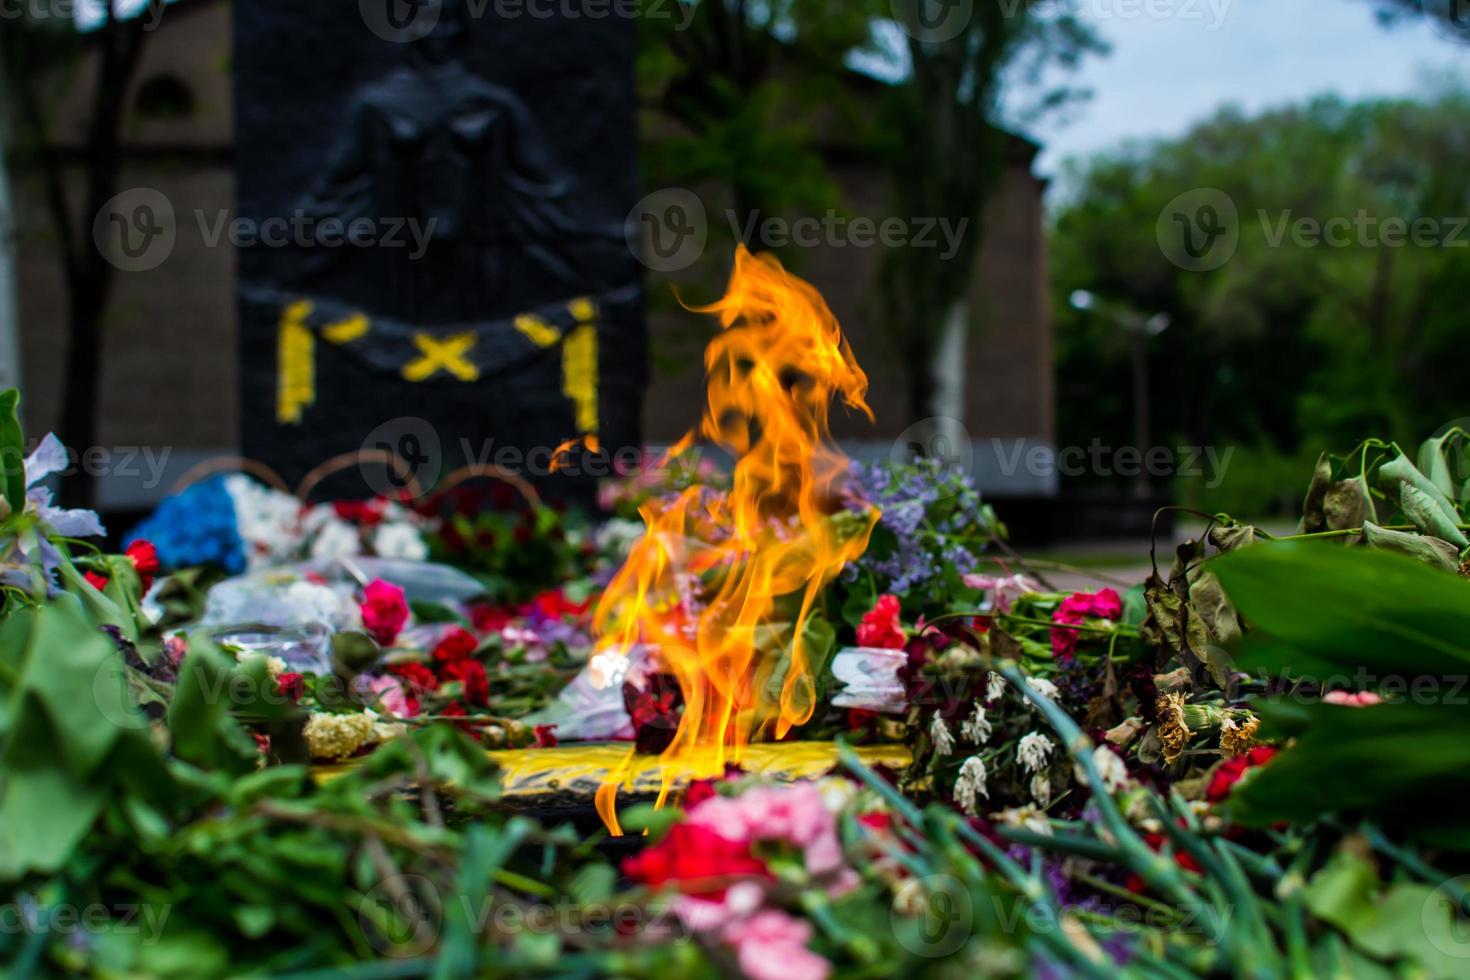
pixel 554 604
pixel 96 580
pixel 695 854
pixel 363 513
pixel 291 685
pixel 545 736
pixel 1228 773
pixel 457 644
pixel 880 628
pixel 471 673
pixel 384 610
pixel 417 677
pixel 145 559
pixel 1104 604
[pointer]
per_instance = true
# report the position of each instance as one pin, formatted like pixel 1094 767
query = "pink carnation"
pixel 384 611
pixel 1345 699
pixel 1105 604
pixel 771 945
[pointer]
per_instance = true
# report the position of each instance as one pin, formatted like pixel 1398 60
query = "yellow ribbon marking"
pixel 295 363
pixel 448 354
pixel 541 333
pixel 346 331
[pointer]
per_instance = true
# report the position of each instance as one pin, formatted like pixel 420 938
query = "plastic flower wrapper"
pixel 28 559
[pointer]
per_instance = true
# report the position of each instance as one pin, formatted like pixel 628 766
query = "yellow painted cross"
pixel 448 354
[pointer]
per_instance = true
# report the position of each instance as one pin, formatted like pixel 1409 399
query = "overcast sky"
pixel 1166 72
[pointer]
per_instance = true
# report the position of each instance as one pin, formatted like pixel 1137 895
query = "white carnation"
pixel 940 736
pixel 400 541
pixel 1033 751
pixel 971 784
pixel 977 727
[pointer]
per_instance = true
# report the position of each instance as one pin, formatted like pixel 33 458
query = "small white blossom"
pixel 1113 770
pixel 1044 687
pixel 940 736
pixel 1033 751
pixel 1041 790
pixel 977 728
pixel 336 539
pixel 1027 818
pixel 971 784
pixel 995 687
pixel 400 540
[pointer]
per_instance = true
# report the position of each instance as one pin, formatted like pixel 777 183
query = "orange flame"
pixel 765 550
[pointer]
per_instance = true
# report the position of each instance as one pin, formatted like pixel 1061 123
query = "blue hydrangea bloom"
pixel 195 527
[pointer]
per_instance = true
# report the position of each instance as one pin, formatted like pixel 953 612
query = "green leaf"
pixel 12 452
pixel 1429 517
pixel 1353 607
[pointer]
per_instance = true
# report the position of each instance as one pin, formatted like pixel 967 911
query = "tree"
pixel 1335 315
pixel 947 152
pixel 35 52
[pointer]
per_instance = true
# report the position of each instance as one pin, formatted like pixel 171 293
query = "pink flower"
pixel 880 629
pixel 794 813
pixel 1362 699
pixel 771 945
pixel 388 693
pixel 1078 606
pixel 1006 589
pixel 384 610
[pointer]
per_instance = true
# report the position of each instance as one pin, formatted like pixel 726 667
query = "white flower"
pixel 1027 818
pixel 337 539
pixel 995 687
pixel 971 784
pixel 1113 770
pixel 1033 751
pixel 1043 687
pixel 1041 790
pixel 977 728
pixel 400 541
pixel 940 736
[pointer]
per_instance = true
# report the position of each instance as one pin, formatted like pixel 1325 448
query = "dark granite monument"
pixel 432 197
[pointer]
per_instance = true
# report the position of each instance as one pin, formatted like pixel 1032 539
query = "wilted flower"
pixel 971 784
pixel 1033 751
pixel 1236 739
pixel 939 734
pixel 1041 790
pixel 995 686
pixel 977 728
pixel 1174 732
pixel 1003 589
pixel 1110 767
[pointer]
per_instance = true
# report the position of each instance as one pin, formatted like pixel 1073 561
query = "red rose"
pixel 471 673
pixel 417 677
pixel 457 644
pixel 145 559
pixel 1228 773
pixel 545 736
pixel 291 685
pixel 384 611
pixel 96 580
pixel 880 628
pixel 489 619
pixel 694 854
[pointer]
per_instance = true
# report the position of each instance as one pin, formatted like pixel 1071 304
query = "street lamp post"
pixel 1139 329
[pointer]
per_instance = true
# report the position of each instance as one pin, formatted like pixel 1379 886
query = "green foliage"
pixel 1286 345
pixel 12 454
